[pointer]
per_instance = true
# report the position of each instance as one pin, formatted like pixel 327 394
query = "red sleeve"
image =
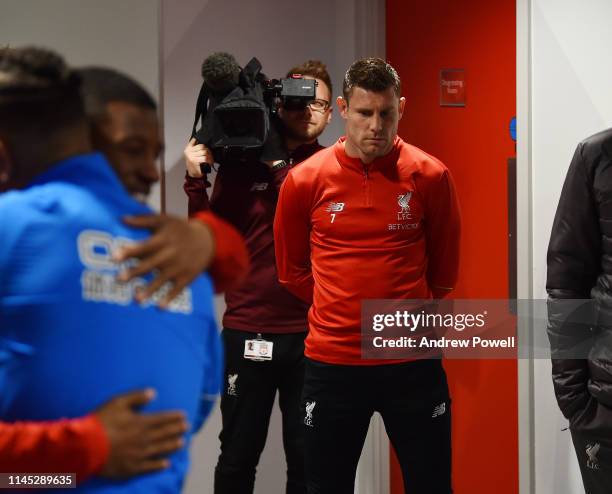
pixel 231 262
pixel 77 446
pixel 443 231
pixel 292 240
pixel 195 188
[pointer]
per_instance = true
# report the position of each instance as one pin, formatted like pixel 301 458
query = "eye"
pixel 318 104
pixel 133 148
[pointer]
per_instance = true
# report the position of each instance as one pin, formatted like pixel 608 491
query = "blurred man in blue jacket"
pixel 71 334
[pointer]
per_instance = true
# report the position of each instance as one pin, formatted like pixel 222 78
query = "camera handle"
pixel 205 168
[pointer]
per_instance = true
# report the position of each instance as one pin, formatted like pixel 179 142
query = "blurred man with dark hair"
pixel 61 223
pixel 125 128
pixel 339 240
pixel 116 441
pixel 261 315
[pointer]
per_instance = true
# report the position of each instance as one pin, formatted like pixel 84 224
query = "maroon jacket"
pixel 245 195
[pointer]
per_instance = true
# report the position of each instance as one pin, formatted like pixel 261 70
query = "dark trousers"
pixel 246 405
pixel 595 460
pixel 412 398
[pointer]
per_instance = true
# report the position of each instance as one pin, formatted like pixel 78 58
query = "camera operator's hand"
pixel 139 442
pixel 178 249
pixel 196 155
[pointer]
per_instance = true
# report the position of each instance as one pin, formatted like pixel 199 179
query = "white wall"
pixel 280 34
pixel 570 98
pixel 114 33
pixel 524 244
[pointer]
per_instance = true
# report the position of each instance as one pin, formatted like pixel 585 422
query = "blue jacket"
pixel 71 336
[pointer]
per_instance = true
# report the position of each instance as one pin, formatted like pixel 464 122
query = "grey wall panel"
pixel 114 33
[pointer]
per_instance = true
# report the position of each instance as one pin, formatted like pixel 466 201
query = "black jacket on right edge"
pixel 580 267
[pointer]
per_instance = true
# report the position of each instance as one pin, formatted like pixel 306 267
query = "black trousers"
pixel 413 400
pixel 595 460
pixel 246 405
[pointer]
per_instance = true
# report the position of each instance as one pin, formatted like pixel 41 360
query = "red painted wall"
pixel 474 142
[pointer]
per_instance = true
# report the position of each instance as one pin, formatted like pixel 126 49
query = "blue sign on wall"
pixel 513 128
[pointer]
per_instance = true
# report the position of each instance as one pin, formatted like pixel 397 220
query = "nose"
pixel 376 123
pixel 150 172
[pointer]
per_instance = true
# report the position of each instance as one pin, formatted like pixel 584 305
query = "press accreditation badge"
pixel 258 349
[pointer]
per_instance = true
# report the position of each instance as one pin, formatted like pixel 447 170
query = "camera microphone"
pixel 221 73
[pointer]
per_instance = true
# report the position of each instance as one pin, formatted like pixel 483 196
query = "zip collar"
pixel 93 172
pixel 81 169
pixel 357 165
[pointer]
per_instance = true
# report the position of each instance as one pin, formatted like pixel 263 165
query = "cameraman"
pixel 260 312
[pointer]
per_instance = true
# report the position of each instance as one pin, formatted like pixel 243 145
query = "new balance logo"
pixel 309 408
pixel 439 410
pixel 335 207
pixel 259 186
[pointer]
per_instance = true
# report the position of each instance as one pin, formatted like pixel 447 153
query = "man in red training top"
pixel 340 240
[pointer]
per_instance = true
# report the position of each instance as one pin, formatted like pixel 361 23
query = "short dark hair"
pixel 39 94
pixel 102 85
pixel 313 68
pixel 371 74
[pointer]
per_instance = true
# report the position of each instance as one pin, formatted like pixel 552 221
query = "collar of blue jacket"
pixel 92 171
